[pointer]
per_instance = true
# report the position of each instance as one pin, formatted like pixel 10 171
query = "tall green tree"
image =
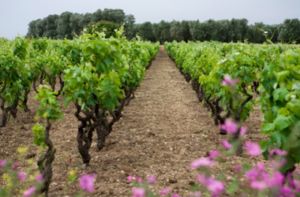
pixel 290 31
pixel 74 24
pixel 129 26
pixel 64 29
pixel 51 26
pixel 145 31
pixel 113 15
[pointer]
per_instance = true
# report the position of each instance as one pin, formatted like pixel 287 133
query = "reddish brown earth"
pixel 161 132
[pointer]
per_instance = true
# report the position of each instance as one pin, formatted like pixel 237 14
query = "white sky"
pixel 15 15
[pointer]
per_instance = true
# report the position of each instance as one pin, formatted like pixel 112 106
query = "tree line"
pixel 233 30
pixel 68 24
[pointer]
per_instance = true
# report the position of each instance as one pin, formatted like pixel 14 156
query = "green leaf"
pixel 267 128
pixel 232 187
pixel 280 93
pixel 281 76
pixel 282 122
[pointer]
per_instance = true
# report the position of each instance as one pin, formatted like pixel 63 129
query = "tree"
pixel 32 29
pixel 97 16
pixel 74 24
pixel 41 27
pixel 51 26
pixel 63 26
pixel 116 16
pixel 129 26
pixel 85 20
pixel 176 32
pixel 145 31
pixel 290 31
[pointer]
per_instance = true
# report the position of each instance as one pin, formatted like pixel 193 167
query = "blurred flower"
pixel 228 81
pixel 29 192
pixel 151 179
pixel 213 185
pixel 203 161
pixel 195 194
pixel 243 130
pixel 138 192
pixel 174 195
pixel 252 148
pixel 214 154
pixel 230 126
pixel 21 176
pixel 87 182
pixel 139 179
pixel 2 163
pixel 130 178
pixel 165 191
pixel 39 178
pixel 238 167
pixel 16 165
pixel 226 144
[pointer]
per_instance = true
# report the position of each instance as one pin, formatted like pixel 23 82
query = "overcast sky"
pixel 15 15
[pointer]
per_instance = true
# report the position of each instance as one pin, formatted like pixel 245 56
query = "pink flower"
pixel 165 191
pixel 87 182
pixel 252 148
pixel 139 179
pixel 226 144
pixel 151 179
pixel 174 195
pixel 130 178
pixel 214 154
pixel 21 176
pixel 213 185
pixel 230 126
pixel 29 192
pixel 227 81
pixel 243 130
pixel 39 178
pixel 239 168
pixel 16 165
pixel 2 163
pixel 138 192
pixel 279 152
pixel 277 164
pixel 203 161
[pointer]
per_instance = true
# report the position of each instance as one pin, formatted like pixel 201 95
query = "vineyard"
pixel 119 108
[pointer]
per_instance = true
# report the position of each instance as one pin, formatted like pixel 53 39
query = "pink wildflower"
pixel 39 178
pixel 203 161
pixel 174 195
pixel 226 144
pixel 151 179
pixel 243 130
pixel 21 176
pixel 2 163
pixel 16 165
pixel 230 126
pixel 87 182
pixel 130 178
pixel 228 81
pixel 29 192
pixel 214 154
pixel 139 179
pixel 252 148
pixel 138 192
pixel 239 168
pixel 165 191
pixel 280 152
pixel 213 185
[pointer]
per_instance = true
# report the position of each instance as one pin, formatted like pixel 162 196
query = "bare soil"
pixel 161 132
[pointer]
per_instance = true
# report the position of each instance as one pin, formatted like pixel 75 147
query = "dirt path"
pixel 161 132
